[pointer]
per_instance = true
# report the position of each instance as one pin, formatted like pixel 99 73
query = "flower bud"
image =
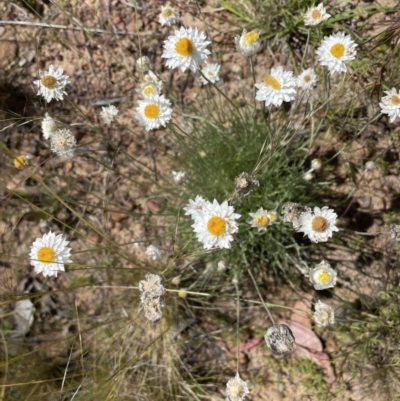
pixel 279 338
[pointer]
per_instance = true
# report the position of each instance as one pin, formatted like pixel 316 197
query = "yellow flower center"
pixel 151 110
pixel 167 12
pixel 184 47
pixel 210 73
pixel 216 225
pixel 337 50
pixel 306 78
pixel 272 82
pixel 49 82
pixel 395 100
pixel 319 224
pixel 315 14
pixel 149 90
pixel 45 254
pixel 261 220
pixel 324 277
pixel 250 37
pixel 19 161
pixel 324 316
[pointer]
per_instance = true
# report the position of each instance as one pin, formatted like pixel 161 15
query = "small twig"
pixel 73 28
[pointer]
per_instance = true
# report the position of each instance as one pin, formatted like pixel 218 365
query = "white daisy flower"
pixel 154 112
pixel 236 389
pixel 49 126
pixel 248 43
pixel 186 48
pixel 320 225
pixel 195 207
pixel 148 90
pixel 273 216
pixel 323 314
pixel 108 114
pixel 307 79
pixel 390 104
pixel 322 276
pixel 316 164
pixel 178 176
pixel 335 51
pixel 151 286
pixel 216 224
pixel 277 87
pixel 260 219
pixel 153 252
pixel 211 72
pixel 316 15
pixel 51 84
pixel 151 78
pixel 168 16
pixel 63 143
pixel 49 253
pixel 143 64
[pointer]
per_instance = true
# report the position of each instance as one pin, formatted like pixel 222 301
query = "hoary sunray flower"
pixel 215 225
pixel 143 64
pixel 63 143
pixel 178 176
pixel 318 225
pixel 316 15
pixel 195 207
pixel 390 104
pixel 307 79
pixel 153 112
pixel 277 87
pixel 151 286
pixel 335 51
pixel 108 114
pixel 49 126
pixel 52 83
pixel 260 219
pixel 186 48
pixel 236 389
pixel 148 90
pixel 322 276
pixel 49 253
pixel 248 43
pixel 245 183
pixel 211 72
pixel 168 16
pixel 323 315
pixel 153 252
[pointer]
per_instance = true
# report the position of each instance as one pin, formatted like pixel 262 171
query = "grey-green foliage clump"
pixel 220 147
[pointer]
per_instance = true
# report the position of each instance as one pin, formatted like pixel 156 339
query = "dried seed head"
pixel 151 287
pixel 394 232
pixel 323 315
pixel 291 213
pixel 236 389
pixel 245 182
pixel 152 308
pixel 279 338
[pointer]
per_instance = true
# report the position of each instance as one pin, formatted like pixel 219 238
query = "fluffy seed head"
pixel 63 143
pixel 236 389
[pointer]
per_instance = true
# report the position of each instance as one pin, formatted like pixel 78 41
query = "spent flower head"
pixel 49 126
pixel 49 253
pixel 322 276
pixel 168 16
pixel 323 315
pixel 211 72
pixel 152 308
pixel 248 43
pixel 153 252
pixel 291 212
pixel 277 87
pixel 279 338
pixel 394 232
pixel 52 83
pixel 143 64
pixel 316 15
pixel 186 49
pixel 390 104
pixel 318 225
pixel 215 225
pixel 153 112
pixel 108 114
pixel 236 389
pixel 151 286
pixel 335 51
pixel 63 143
pixel 244 183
